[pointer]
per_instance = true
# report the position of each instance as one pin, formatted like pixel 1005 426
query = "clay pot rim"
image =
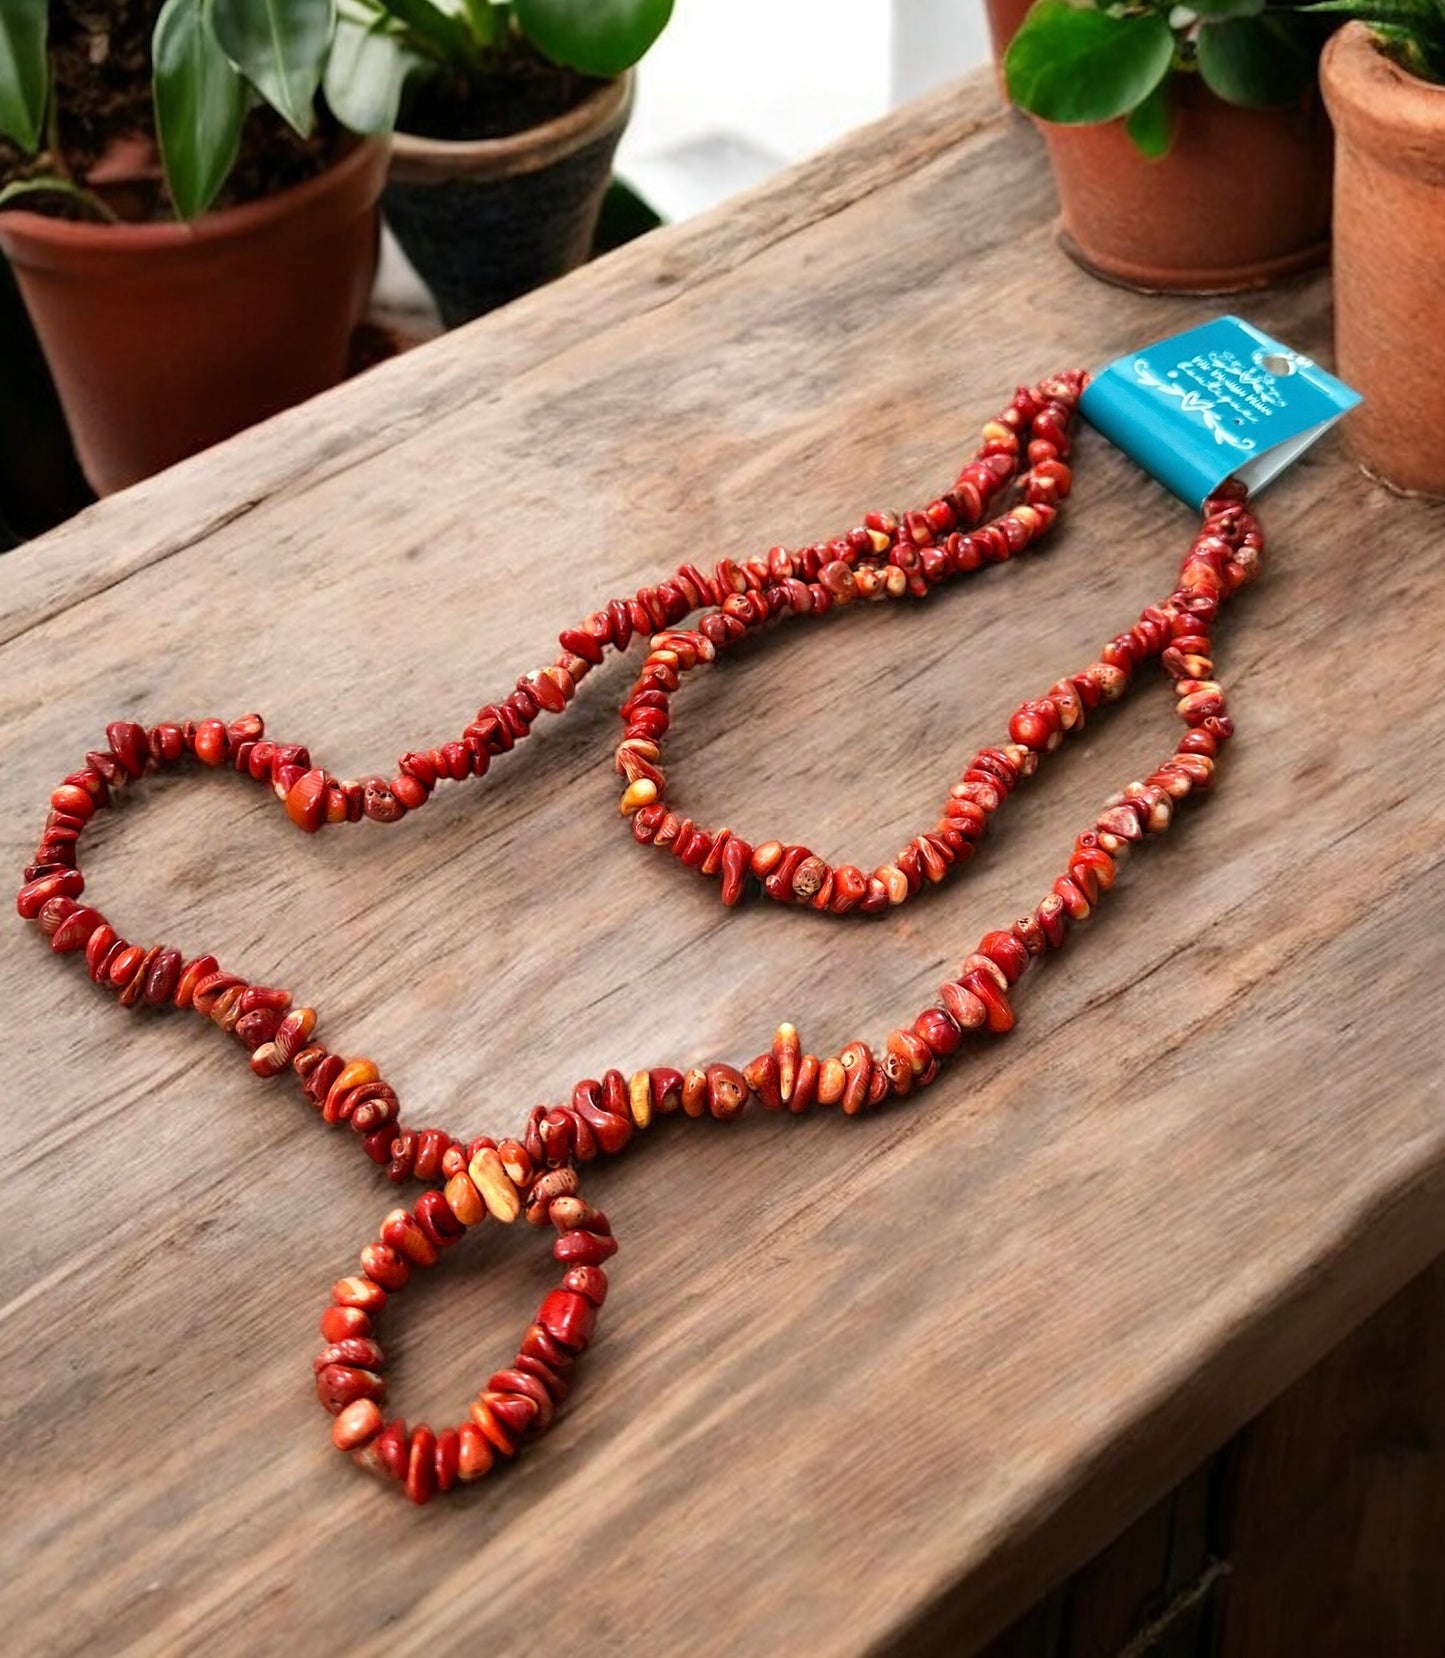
pixel 419 160
pixel 38 239
pixel 1383 105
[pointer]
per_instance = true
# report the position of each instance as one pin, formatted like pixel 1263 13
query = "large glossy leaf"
pixel 24 72
pixel 438 30
pixel 599 37
pixel 1246 60
pixel 1150 125
pixel 365 73
pixel 200 101
pixel 280 47
pixel 1075 65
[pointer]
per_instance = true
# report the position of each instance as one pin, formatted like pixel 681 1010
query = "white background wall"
pixel 765 82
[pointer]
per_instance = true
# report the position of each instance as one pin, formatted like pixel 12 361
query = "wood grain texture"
pixel 859 1383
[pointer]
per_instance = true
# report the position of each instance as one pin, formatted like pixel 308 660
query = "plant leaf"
pixel 597 37
pixel 1225 8
pixel 1412 30
pixel 1150 124
pixel 365 73
pixel 200 103
pixel 1246 61
pixel 1421 54
pixel 56 187
pixel 1406 13
pixel 24 72
pixel 444 34
pixel 1077 65
pixel 485 20
pixel 280 47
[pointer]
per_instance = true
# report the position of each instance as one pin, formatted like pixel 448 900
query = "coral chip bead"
pixel 516 1413
pixel 475 1454
pixel 306 801
pixel 421 1472
pixel 568 1317
pixel 495 1185
pixel 74 931
pixel 390 1452
pixel 590 1281
pixel 365 1293
pixel 401 1232
pixel 448 1458
pixel 338 1384
pixel 356 1424
pixel 581 1248
pixel 212 742
pixel 382 1263
pixel 498 1435
pixel 64 883
pixel 129 745
pixel 1005 949
pixel 998 1011
pixel 939 1030
pixel 857 1062
pixel 727 1091
pixel 71 798
pixel 464 1200
pixel 341 1323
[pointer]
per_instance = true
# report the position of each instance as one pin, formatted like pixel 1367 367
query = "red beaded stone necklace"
pixel 536 1173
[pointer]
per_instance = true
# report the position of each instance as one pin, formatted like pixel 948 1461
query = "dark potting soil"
pixel 100 53
pixel 518 89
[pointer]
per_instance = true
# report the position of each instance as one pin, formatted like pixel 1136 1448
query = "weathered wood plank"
pixel 858 1382
pixel 404 398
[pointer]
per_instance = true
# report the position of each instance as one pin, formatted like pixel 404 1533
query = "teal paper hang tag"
pixel 1219 401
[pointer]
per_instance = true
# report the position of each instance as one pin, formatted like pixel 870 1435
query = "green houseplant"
pixel 507 118
pixel 193 241
pixel 1188 143
pixel 1383 78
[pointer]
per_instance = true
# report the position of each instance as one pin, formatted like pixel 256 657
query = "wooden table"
pixel 867 1386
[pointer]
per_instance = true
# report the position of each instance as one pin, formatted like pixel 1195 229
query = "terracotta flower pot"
pixel 166 338
pixel 1005 17
pixel 486 220
pixel 1389 258
pixel 1241 199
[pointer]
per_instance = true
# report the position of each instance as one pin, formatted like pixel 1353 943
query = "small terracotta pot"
pixel 1241 199
pixel 486 220
pixel 166 338
pixel 1005 17
pixel 1389 258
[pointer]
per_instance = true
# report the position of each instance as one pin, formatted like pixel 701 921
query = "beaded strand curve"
pixel 535 1174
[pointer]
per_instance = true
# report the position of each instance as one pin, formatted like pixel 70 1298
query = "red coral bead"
pixel 421 1471
pixel 568 1317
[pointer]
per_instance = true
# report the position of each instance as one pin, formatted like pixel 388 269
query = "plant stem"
pixel 52 131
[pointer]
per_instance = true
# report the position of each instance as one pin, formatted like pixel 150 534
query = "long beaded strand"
pixel 886 557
